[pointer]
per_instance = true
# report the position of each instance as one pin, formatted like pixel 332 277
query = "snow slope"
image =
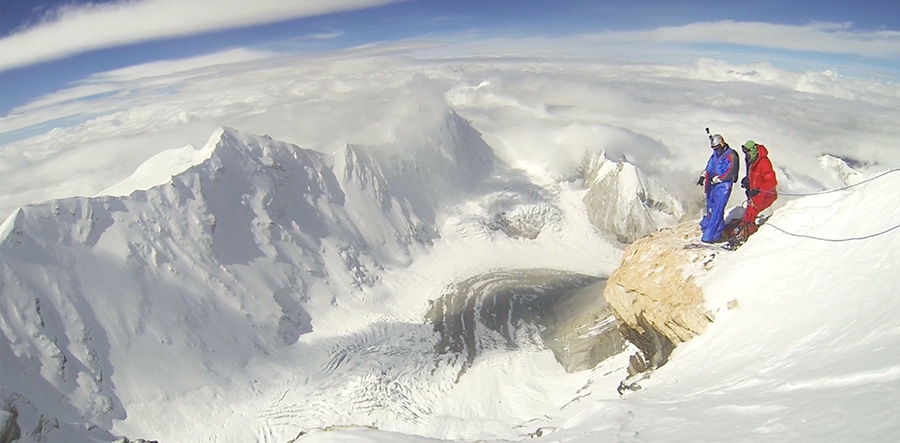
pixel 807 354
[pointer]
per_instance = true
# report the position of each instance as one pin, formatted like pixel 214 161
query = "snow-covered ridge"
pixel 160 168
pixel 236 251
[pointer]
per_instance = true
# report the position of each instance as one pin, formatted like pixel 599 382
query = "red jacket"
pixel 760 172
pixel 760 176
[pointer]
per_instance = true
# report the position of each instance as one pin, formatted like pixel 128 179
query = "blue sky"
pixel 48 45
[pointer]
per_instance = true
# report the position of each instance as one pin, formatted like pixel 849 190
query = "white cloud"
pixel 72 30
pixel 832 38
pixel 675 44
pixel 104 93
pixel 548 110
pixel 325 35
pixel 544 112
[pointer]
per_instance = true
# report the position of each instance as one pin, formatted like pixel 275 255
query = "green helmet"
pixel 749 145
pixel 751 149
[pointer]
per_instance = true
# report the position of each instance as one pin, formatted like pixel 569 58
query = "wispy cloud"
pixel 674 43
pixel 830 38
pixel 71 30
pixel 325 35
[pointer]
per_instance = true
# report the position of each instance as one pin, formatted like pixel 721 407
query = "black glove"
pixel 745 183
pixel 701 180
pixel 753 192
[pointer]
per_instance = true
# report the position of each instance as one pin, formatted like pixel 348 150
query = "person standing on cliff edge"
pixel 759 183
pixel 722 170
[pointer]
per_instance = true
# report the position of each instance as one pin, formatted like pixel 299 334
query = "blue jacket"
pixel 724 165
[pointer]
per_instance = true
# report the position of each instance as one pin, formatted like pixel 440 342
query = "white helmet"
pixel 716 141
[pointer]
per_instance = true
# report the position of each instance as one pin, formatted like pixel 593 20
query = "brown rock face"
pixel 653 294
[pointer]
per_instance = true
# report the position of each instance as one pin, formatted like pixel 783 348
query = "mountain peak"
pixel 242 243
pixel 624 202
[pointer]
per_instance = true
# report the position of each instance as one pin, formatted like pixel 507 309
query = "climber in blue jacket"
pixel 722 170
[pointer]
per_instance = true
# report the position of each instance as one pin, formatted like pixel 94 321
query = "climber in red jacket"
pixel 760 182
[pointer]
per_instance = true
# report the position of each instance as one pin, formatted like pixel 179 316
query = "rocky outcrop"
pixel 10 431
pixel 653 293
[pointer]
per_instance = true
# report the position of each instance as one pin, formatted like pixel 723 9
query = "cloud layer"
pixel 71 30
pixel 543 113
pixel 829 38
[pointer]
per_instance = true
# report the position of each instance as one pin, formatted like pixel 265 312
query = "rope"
pixel 831 190
pixel 835 240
